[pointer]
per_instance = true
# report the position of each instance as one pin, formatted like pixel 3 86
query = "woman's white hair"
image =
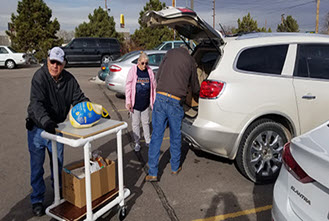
pixel 143 55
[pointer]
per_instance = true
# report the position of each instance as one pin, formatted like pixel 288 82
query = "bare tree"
pixel 66 35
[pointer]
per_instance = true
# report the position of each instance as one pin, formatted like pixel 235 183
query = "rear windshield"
pixel 12 50
pixel 265 59
pixel 128 55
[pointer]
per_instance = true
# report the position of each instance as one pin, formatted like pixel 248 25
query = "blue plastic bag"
pixel 86 114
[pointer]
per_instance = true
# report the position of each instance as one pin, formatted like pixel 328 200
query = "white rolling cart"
pixel 61 209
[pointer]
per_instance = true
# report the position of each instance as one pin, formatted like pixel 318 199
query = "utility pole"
pixel 282 18
pixel 174 5
pixel 317 16
pixel 213 15
pixel 192 4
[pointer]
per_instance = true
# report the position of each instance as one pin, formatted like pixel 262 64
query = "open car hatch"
pixel 185 22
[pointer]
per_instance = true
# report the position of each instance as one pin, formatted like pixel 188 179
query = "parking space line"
pixel 236 214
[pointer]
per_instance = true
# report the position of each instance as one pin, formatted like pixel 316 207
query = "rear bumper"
pixel 281 210
pixel 208 139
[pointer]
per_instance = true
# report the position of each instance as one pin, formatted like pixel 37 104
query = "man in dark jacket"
pixel 176 73
pixel 53 91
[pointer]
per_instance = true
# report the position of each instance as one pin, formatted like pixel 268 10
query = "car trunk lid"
pixel 311 151
pixel 185 22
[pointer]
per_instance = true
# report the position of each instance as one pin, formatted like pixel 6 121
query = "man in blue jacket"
pixel 53 91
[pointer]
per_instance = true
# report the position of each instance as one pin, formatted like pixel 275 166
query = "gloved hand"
pixel 50 126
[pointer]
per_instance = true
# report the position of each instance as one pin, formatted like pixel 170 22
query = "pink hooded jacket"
pixel 131 86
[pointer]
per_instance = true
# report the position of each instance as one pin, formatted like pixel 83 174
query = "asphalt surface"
pixel 208 187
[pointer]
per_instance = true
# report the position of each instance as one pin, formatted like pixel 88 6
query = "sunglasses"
pixel 146 63
pixel 55 62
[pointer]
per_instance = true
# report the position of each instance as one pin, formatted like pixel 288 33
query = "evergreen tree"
pixel 288 25
pixel 248 24
pixel 146 37
pixel 100 25
pixel 32 29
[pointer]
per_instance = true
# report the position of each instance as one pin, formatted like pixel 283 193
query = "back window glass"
pixel 313 61
pixel 266 59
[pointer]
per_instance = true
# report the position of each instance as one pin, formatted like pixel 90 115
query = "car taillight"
pixel 186 10
pixel 115 68
pixel 293 167
pixel 103 68
pixel 211 89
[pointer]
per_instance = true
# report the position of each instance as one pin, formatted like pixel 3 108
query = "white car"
pixel 301 192
pixel 10 58
pixel 257 91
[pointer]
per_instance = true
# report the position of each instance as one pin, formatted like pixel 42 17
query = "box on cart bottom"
pixel 74 188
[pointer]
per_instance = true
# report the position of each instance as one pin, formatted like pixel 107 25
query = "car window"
pixel 178 44
pixel 104 43
pixel 77 43
pixel 90 43
pixel 166 47
pixel 313 61
pixel 155 59
pixel 265 59
pixel 11 49
pixel 3 51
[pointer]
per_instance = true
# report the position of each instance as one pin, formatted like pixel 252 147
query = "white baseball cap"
pixel 56 53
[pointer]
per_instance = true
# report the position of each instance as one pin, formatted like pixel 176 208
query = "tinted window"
pixel 178 44
pixel 267 59
pixel 3 51
pixel 155 59
pixel 90 43
pixel 77 43
pixel 167 46
pixel 313 61
pixel 104 43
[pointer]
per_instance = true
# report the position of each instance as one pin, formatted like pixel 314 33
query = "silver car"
pixel 118 71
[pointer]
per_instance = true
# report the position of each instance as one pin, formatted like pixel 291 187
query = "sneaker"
pixel 149 178
pixel 38 209
pixel 176 172
pixel 137 147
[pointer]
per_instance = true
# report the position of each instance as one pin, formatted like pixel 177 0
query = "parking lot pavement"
pixel 208 187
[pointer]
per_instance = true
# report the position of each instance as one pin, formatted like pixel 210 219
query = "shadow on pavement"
pixel 259 192
pixel 22 211
pixel 230 206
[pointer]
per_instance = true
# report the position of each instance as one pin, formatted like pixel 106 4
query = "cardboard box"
pixel 74 189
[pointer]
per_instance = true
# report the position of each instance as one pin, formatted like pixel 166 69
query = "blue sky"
pixel 73 12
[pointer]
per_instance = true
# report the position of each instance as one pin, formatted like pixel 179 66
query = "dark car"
pixel 92 50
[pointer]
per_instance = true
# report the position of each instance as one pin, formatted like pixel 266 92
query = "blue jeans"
pixel 165 109
pixel 37 148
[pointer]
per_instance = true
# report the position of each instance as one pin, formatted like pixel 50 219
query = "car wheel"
pixel 259 157
pixel 10 64
pixel 106 58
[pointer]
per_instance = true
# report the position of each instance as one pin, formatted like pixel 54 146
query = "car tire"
pixel 106 58
pixel 10 64
pixel 259 157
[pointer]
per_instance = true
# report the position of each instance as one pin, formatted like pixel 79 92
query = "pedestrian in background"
pixel 53 91
pixel 140 95
pixel 176 73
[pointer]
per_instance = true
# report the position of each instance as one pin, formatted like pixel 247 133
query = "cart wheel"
pixel 122 213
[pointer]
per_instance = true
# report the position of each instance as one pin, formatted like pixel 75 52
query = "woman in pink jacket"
pixel 140 96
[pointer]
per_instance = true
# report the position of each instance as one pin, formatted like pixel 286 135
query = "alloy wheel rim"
pixel 266 153
pixel 10 64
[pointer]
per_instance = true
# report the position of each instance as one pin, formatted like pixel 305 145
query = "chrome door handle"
pixel 309 97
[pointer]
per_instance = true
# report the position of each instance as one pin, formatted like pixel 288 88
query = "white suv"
pixel 257 92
